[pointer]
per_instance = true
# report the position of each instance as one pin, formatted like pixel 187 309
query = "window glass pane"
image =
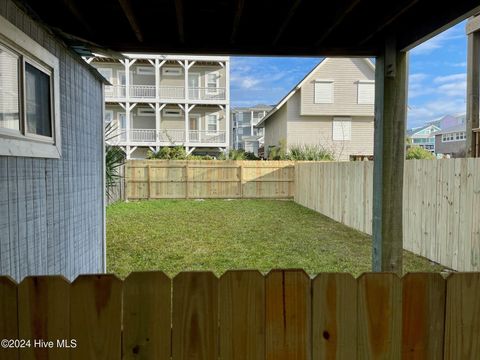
pixel 9 93
pixel 37 97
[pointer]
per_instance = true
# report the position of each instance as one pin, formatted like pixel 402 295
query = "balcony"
pixel 169 137
pixel 165 93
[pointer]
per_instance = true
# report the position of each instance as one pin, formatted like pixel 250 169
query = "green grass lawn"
pixel 217 235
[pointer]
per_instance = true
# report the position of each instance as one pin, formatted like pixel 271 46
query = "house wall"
pixel 318 130
pixel 276 128
pixel 345 72
pixel 454 148
pixel 51 210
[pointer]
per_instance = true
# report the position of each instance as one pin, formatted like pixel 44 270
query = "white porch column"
pixel 127 102
pixel 186 67
pixel 228 125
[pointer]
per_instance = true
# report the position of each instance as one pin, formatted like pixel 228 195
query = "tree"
pixel 417 152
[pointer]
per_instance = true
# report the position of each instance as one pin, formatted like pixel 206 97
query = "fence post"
pixel 240 177
pixel 125 181
pixel 186 179
pixel 149 182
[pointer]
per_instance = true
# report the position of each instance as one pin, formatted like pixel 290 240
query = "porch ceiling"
pixel 248 27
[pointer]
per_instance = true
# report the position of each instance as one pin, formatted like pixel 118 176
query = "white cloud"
pixel 249 82
pixel 449 78
pixel 438 41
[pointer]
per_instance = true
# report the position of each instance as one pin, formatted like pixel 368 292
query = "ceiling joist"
pixel 286 21
pixel 128 11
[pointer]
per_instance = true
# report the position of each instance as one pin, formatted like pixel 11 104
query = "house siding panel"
pixel 345 73
pixel 276 127
pixel 317 130
pixel 51 210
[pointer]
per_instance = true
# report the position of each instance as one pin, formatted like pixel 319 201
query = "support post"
pixel 473 90
pixel 391 79
pixel 228 125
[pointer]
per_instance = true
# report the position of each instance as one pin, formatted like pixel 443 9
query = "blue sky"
pixel 437 79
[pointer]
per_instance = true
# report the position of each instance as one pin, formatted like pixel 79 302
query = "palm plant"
pixel 114 159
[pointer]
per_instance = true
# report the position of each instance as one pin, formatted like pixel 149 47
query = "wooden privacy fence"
pixel 441 204
pixel 244 315
pixel 163 179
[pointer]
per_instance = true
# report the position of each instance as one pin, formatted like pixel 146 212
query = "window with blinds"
pixel 323 91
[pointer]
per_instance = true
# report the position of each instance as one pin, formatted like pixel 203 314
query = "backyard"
pixel 218 235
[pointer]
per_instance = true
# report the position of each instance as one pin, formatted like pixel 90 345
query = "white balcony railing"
pixel 201 93
pixel 206 137
pixel 168 136
pixel 164 92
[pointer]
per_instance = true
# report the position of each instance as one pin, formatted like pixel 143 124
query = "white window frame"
pixel 320 81
pixel 217 119
pixel 172 71
pixel 365 82
pixel 14 143
pixel 144 111
pixel 341 120
pixel 216 90
pixel 176 112
pixel 145 70
pixel 105 112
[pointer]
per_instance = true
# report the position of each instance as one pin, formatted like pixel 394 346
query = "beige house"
pixel 167 100
pixel 332 106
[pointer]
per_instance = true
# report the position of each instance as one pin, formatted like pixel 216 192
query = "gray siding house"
pixel 51 153
pixel 332 107
pixel 451 141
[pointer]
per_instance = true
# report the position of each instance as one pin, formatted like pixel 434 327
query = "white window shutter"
pixel 323 92
pixel 342 129
pixel 366 92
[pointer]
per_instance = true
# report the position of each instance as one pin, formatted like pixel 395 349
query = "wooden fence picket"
pixel 195 316
pixel 147 316
pixel 242 315
pixel 379 322
pixel 44 300
pixel 288 315
pixel 96 317
pixel 8 316
pixel 423 316
pixel 334 316
pixel 462 318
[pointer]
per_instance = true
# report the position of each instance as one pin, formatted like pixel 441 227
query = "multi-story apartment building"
pixel 167 100
pixel 245 134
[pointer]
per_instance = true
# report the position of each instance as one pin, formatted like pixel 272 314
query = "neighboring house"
pixel 332 107
pixel 451 141
pixel 167 100
pixel 423 136
pixel 245 134
pixel 51 154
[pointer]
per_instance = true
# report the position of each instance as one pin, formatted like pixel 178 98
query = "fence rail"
pixel 161 179
pixel 244 315
pixel 441 204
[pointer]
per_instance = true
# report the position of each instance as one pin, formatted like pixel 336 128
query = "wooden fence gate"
pixel 243 315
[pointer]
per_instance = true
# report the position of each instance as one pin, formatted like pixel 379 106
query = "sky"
pixel 437 77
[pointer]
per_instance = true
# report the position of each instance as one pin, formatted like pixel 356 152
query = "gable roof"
pixel 414 131
pixel 299 85
pixel 456 128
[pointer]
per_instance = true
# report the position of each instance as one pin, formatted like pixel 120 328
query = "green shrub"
pixel 417 152
pixel 234 154
pixel 310 153
pixel 168 153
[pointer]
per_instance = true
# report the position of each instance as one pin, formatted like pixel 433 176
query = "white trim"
pixel 329 98
pixel 368 98
pixel 171 71
pixel 144 111
pixel 177 57
pixel 198 118
pixel 145 70
pixel 32 52
pixel 346 132
pixel 217 118
pixel 215 90
pixel 199 75
pixel 173 112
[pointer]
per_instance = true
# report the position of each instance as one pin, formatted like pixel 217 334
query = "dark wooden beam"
pixel 388 20
pixel 286 21
pixel 391 78
pixel 473 91
pixel 180 20
pixel 128 11
pixel 337 21
pixel 75 11
pixel 239 4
